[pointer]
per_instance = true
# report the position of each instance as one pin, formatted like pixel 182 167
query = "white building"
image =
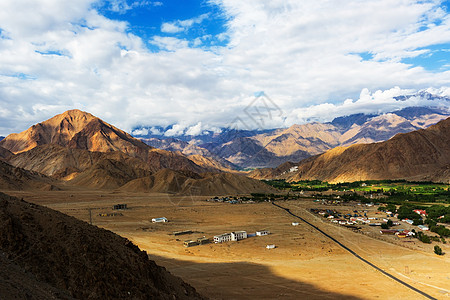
pixel 160 220
pixel 262 232
pixel 226 237
pixel 271 246
pixel 233 236
pixel 294 223
pixel 238 235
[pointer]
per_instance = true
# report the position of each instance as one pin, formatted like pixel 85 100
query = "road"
pixel 356 255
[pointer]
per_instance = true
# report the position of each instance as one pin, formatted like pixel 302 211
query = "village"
pixel 375 219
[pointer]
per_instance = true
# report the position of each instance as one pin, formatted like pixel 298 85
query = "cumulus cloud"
pixel 368 102
pixel 306 55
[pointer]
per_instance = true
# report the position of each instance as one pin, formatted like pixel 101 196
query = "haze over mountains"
pixel 423 154
pixel 270 148
pixel 79 149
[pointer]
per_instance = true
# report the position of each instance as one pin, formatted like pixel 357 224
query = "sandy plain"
pixel 305 265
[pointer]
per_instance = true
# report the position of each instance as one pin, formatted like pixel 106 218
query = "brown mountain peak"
pixel 57 130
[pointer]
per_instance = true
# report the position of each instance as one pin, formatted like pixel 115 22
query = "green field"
pixel 388 191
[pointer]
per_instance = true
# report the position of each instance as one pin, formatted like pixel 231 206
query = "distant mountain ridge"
pixel 271 148
pixel 423 154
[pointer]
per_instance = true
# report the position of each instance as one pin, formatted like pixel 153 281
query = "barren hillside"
pixel 54 256
pixel 417 155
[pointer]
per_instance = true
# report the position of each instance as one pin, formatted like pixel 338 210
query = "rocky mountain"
pixel 177 182
pixel 5 153
pixel 78 149
pixel 12 178
pixel 66 163
pixel 80 130
pixel 1 138
pixel 45 254
pixel 274 147
pixel 423 154
pixel 201 156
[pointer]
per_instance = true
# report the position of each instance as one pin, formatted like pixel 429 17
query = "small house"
pixel 262 232
pixel 295 223
pixel 423 227
pixel 238 235
pixel 226 237
pixel 160 220
pixel 421 212
pixel 271 247
pixel 203 241
pixel 190 243
pixel 120 206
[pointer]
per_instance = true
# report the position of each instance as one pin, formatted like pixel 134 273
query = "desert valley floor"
pixel 304 265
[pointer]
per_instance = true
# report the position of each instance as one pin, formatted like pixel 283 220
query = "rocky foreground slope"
pixel 45 254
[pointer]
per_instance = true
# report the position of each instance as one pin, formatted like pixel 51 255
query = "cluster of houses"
pixel 231 200
pixel 357 218
pixel 346 219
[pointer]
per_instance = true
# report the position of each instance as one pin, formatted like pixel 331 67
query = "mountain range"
pixel 76 148
pixel 270 148
pixel 420 155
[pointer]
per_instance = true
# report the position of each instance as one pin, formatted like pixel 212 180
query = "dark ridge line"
pixel 357 256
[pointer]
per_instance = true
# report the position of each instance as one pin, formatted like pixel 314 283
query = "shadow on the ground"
pixel 241 280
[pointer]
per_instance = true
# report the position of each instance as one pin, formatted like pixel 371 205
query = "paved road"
pixel 356 255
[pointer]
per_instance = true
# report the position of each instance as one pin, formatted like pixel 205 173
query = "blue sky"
pixel 197 65
pixel 146 19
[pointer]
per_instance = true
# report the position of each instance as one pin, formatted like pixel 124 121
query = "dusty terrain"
pixel 305 264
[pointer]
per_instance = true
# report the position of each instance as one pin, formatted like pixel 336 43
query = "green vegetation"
pixel 438 250
pixel 389 191
pixel 423 237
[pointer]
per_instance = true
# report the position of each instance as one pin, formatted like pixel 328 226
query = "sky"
pixel 207 64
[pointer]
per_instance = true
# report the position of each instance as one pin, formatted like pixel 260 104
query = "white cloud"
pixel 141 131
pixel 176 129
pixel 122 6
pixel 182 25
pixel 171 28
pixel 195 130
pixel 377 102
pixel 303 54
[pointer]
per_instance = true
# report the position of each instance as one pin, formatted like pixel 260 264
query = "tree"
pixel 418 221
pixel 438 250
pixel 384 226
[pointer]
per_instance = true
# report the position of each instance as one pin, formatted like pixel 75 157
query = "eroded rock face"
pixel 59 257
